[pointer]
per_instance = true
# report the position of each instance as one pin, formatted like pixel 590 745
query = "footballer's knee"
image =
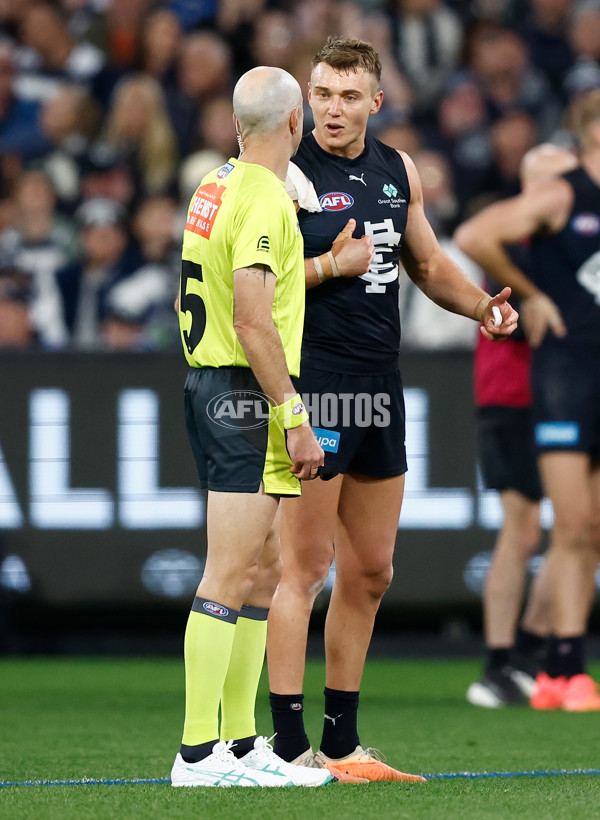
pixel 371 582
pixel 530 540
pixel 269 576
pixel 574 533
pixel 377 581
pixel 308 571
pixel 311 580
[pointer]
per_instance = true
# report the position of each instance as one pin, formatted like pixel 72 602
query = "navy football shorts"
pixel 358 420
pixel 507 453
pixel 237 439
pixel 565 381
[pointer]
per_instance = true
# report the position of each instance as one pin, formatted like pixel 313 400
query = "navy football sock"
pixel 340 735
pixel 496 659
pixel 565 657
pixel 528 643
pixel 288 723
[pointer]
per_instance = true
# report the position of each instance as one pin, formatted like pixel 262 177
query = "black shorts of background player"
pixel 562 219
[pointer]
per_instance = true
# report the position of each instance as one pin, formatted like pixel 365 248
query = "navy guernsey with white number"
pixel 566 265
pixel 352 325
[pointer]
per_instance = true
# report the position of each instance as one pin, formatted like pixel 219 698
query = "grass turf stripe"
pixel 89 781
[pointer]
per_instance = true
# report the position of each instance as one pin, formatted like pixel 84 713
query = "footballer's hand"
pixel 540 314
pixel 305 452
pixel 353 257
pixel 499 319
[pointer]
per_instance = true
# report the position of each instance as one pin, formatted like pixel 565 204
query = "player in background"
pixel 562 217
pixel 509 466
pixel 241 305
pixel 351 383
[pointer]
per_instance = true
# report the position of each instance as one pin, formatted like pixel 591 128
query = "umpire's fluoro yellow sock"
pixel 209 637
pixel 243 675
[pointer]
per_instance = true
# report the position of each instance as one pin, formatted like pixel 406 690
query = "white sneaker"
pixel 221 768
pixel 263 759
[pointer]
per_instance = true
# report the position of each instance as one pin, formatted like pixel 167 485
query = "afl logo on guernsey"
pixel 586 224
pixel 336 201
pixel 225 170
pixel 215 609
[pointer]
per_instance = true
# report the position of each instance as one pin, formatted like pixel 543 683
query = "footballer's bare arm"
pixel 440 279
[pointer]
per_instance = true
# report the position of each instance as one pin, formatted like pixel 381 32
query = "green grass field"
pixel 121 719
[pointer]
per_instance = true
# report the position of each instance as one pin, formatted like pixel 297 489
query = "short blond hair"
pixel 584 112
pixel 349 54
pixel 545 161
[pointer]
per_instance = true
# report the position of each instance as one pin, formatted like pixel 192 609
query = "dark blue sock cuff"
pixel 254 613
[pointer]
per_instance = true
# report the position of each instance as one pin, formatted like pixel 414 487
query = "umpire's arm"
pixel 253 294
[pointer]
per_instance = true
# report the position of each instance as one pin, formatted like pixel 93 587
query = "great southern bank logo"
pixel 240 409
pixel 336 201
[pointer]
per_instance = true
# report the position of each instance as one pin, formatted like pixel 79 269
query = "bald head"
pixel 544 162
pixel 263 99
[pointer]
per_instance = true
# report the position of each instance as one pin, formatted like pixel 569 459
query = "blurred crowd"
pixel 111 111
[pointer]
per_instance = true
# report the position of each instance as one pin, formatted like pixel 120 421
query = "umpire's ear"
pixel 295 120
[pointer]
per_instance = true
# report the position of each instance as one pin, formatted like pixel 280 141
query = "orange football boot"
pixel 548 693
pixel 367 763
pixel 581 695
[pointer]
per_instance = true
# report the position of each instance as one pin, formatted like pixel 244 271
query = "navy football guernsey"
pixel 566 265
pixel 353 325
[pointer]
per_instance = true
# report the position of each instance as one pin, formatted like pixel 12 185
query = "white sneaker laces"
pixel 263 746
pixel 222 750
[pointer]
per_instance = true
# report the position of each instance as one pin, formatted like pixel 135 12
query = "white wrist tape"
pixel 319 269
pixel 334 267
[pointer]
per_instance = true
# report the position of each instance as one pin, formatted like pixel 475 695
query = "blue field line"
pixel 90 781
pixel 525 773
